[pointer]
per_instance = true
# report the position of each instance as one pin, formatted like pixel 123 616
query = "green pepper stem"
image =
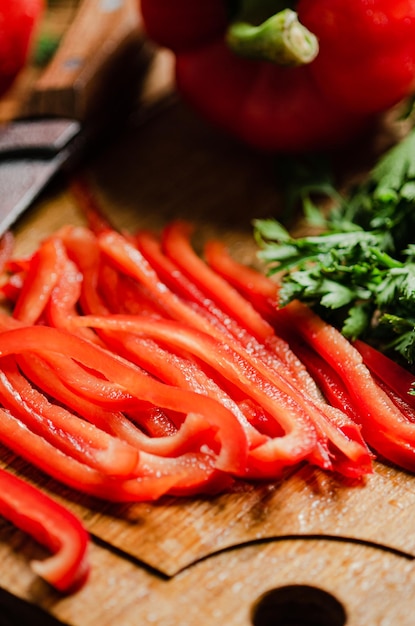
pixel 281 39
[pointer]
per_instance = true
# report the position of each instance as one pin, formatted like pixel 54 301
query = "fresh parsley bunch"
pixel 359 273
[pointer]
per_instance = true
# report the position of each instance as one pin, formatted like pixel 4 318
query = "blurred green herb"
pixel 46 47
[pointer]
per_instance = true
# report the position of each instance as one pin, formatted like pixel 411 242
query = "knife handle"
pixel 99 55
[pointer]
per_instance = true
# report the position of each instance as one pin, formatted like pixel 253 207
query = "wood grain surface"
pixel 345 552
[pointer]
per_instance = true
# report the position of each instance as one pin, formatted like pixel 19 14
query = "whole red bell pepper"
pixel 285 80
pixel 18 20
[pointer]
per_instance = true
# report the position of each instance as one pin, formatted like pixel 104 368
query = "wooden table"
pixel 344 552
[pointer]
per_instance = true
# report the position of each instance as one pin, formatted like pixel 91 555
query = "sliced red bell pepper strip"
pixel 331 424
pixel 177 246
pixel 45 377
pixel 390 447
pixel 177 370
pixel 384 427
pixel 82 247
pixel 397 378
pixel 192 472
pixel 271 355
pixel 44 270
pixel 255 333
pixel 94 397
pixel 355 458
pixel 192 434
pixel 53 526
pixel 270 349
pixel 74 436
pixel 42 339
pixel 260 290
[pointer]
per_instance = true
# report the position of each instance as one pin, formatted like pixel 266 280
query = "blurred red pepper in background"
pixel 18 19
pixel 310 75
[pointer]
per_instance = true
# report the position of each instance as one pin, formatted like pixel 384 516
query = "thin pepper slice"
pixel 53 526
pixel 167 440
pixel 42 339
pixel 62 428
pixel 384 427
pixel 243 322
pixel 189 473
pixel 397 378
pixel 177 246
pixel 261 291
pixel 43 273
pixel 192 434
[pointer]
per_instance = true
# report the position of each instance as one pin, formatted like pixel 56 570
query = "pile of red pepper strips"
pixel 132 368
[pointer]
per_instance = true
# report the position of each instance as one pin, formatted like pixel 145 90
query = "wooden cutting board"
pixel 310 548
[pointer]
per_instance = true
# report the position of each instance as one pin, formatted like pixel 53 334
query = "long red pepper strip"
pixel 254 333
pixel 185 438
pixel 64 297
pixel 343 434
pixel 41 339
pixel 177 370
pixel 300 438
pixel 167 437
pixel 124 294
pixel 400 380
pixel 345 421
pixel 388 446
pixel 65 380
pixel 53 526
pixel 42 276
pixel 108 394
pixel 82 247
pixel 383 425
pixel 189 473
pixel 405 408
pixel 74 436
pixel 261 291
pixel 271 350
pixel 322 414
pixel 175 242
pixel 192 434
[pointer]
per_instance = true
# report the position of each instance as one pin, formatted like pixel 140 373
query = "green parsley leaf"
pixel 359 273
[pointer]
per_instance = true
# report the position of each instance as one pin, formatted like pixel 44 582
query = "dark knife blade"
pixel 80 97
pixel 31 153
